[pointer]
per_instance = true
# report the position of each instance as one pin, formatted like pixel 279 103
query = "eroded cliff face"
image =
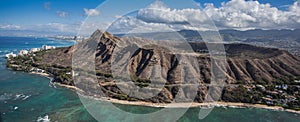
pixel 151 66
pixel 245 63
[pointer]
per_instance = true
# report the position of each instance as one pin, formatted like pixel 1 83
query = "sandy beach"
pixel 201 105
pixel 185 105
pixel 41 74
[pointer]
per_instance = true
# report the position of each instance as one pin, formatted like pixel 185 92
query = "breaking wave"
pixel 7 96
pixel 43 119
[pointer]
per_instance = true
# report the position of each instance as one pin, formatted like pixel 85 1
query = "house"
pixel 284 87
pixel 34 69
pixel 261 87
pixel 297 81
pixel 34 50
pixel 10 55
pixel 45 47
pixel 23 52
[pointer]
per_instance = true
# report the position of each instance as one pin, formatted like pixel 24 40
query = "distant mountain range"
pixel 228 35
pixel 190 35
pixel 262 34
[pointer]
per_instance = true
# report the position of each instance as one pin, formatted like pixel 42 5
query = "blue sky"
pixel 35 11
pixel 40 14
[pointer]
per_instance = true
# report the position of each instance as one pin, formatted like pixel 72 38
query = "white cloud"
pixel 159 18
pixel 62 13
pixel 91 12
pixel 295 12
pixel 241 14
pixel 10 27
pixel 234 14
pixel 118 16
pixel 130 24
pixel 187 18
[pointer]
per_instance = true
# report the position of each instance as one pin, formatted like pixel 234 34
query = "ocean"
pixel 29 98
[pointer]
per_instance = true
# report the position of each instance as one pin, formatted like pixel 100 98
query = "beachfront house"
pixel 23 52
pixel 10 55
pixel 32 50
pixel 45 47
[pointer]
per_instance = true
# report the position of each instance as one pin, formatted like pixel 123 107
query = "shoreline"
pixel 173 105
pixel 194 104
pixel 42 74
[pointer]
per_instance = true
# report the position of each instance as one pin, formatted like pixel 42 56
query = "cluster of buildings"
pixel 287 44
pixel 45 47
pixel 212 52
pixel 280 91
pixel 32 50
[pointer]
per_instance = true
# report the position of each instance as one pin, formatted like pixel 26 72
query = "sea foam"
pixel 21 97
pixel 5 96
pixel 43 119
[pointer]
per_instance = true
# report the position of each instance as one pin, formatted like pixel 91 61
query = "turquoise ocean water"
pixel 28 98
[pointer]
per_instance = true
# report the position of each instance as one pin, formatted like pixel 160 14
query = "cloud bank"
pixel 234 14
pixel 241 14
pixel 10 27
pixel 157 17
